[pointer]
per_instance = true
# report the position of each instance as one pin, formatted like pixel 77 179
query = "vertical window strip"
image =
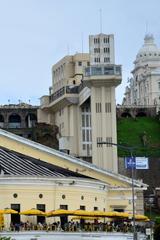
pixel 91 135
pixel 87 120
pixel 106 50
pixel 86 131
pixel 106 59
pixel 98 108
pixel 108 140
pixel 96 50
pixel 83 120
pixel 107 107
pixel 83 135
pixel 88 150
pixel 99 139
pixel 106 40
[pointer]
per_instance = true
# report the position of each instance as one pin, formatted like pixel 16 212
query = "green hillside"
pixel 142 132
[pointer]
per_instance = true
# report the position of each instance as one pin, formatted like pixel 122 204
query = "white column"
pixel 114 129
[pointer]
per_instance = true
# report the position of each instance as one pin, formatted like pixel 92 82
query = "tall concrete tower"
pixel 102 77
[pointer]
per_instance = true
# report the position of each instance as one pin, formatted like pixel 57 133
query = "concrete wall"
pixel 103 127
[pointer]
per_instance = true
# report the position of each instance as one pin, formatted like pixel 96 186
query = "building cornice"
pixel 50 181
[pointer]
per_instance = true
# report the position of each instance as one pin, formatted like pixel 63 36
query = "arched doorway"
pixel 31 120
pixel 14 121
pixel 141 114
pixel 1 121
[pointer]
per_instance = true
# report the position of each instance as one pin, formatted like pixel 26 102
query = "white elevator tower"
pixel 102 76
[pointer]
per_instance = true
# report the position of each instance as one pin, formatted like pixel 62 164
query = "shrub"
pixel 5 238
pixel 157 220
pixel 157 232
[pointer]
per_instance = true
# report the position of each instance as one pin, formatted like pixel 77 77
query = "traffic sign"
pixel 130 162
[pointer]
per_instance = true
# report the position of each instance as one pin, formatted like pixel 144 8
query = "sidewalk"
pixel 41 235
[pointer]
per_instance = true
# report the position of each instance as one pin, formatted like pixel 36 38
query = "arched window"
pixel 31 120
pixel 126 115
pixel 14 121
pixel 1 121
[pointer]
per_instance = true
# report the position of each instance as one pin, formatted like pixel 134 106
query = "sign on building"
pixel 142 163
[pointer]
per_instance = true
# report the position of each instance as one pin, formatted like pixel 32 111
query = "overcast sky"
pixel 34 34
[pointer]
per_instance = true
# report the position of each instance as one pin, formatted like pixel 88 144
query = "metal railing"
pixel 136 106
pixel 62 91
pixel 103 70
pixel 88 71
pixel 17 106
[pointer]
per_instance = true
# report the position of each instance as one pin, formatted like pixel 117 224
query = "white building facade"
pixel 144 87
pixel 82 102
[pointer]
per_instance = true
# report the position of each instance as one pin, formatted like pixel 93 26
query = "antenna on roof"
pixel 68 50
pixel 100 15
pixel 146 27
pixel 82 41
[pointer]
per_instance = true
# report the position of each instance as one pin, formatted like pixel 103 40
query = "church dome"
pixel 149 50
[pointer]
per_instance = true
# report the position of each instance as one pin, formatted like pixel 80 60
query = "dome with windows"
pixel 149 50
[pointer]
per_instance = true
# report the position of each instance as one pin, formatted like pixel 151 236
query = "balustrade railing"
pixel 62 91
pixel 89 71
pixel 103 70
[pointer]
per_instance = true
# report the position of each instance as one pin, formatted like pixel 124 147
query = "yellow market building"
pixel 35 176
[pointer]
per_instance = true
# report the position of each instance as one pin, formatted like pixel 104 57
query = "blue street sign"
pixel 130 162
pixel 136 162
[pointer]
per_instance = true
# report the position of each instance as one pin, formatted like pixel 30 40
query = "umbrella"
pixel 59 212
pixel 110 214
pixel 97 214
pixel 8 211
pixel 32 212
pixel 1 221
pixel 83 213
pixel 121 214
pixel 1 211
pixel 86 218
pixel 139 217
pixel 124 214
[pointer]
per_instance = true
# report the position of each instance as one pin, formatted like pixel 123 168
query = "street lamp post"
pixel 130 149
pixel 150 200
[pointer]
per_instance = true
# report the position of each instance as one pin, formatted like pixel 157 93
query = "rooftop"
pixel 13 163
pixel 16 106
pixel 67 158
pixel 149 49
